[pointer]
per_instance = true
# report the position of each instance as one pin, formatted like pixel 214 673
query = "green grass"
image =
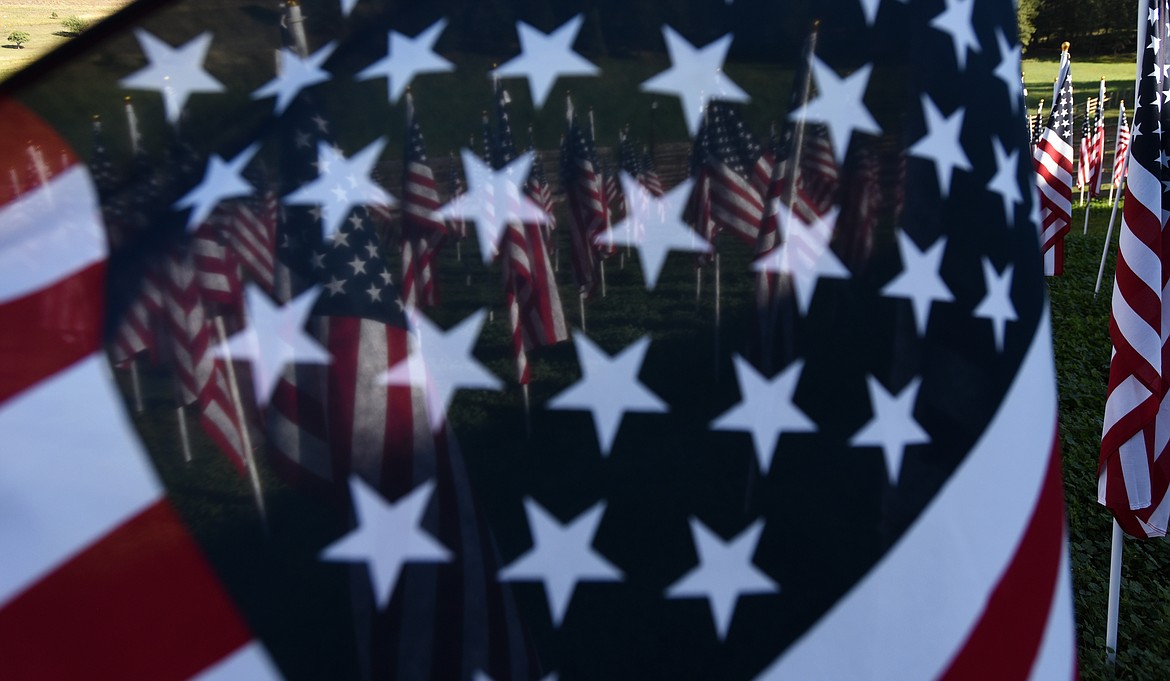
pixel 1039 75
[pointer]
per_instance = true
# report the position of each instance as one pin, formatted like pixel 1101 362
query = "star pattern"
pixel 443 362
pixel 892 427
pixel 296 73
pixel 493 199
pixel 546 57
pixel 275 337
pixel 920 280
pixel 955 20
pixel 176 73
pixel 561 556
pixel 406 58
pixel 766 409
pixel 725 572
pixel 1009 70
pixel 388 535
pixel 221 181
pixel 997 305
pixel 342 185
pixel 839 105
pixel 695 76
pixel 655 226
pixel 608 387
pixel 869 9
pixel 1006 182
pixel 805 256
pixel 941 144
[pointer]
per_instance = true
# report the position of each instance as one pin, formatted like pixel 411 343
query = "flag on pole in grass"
pixel 639 523
pixel 725 157
pixel 1120 148
pixel 1097 146
pixel 1085 163
pixel 423 231
pixel 1134 471
pixel 1053 160
pixel 585 195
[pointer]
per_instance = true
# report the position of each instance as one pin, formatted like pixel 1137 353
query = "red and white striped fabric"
pixel 587 209
pixel 136 331
pixel 200 376
pixel 80 597
pixel 1120 148
pixel 422 228
pixel 250 226
pixel 1134 469
pixel 217 269
pixel 1053 160
pixel 973 590
pixel 1097 146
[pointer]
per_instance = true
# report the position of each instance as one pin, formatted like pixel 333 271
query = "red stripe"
pixel 140 604
pixel 1008 635
pixel 43 333
pixel 25 131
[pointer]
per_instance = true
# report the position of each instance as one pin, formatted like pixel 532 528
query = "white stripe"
pixel 369 404
pixel 1135 471
pixel 1137 332
pixel 1123 399
pixel 42 239
pixel 1144 186
pixel 63 488
pixel 1143 262
pixel 248 663
pixel 1057 656
pixel 909 616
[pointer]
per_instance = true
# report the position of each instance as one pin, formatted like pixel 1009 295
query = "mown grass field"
pixel 45 32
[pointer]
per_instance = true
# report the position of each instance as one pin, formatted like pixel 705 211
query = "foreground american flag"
pixel 1134 474
pixel 655 505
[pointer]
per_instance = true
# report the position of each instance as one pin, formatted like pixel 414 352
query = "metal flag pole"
pixel 183 434
pixel 1109 231
pixel 604 201
pixel 245 436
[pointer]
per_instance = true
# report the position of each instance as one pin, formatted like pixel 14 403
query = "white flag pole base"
pixel 136 386
pixel 1086 229
pixel 1114 594
pixel 581 308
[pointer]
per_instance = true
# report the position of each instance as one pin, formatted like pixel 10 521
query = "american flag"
pixel 588 211
pixel 1053 160
pixel 724 159
pixel 534 304
pixel 1134 473
pixel 1097 145
pixel 423 232
pixel 651 516
pixel 1120 149
pixel 1085 165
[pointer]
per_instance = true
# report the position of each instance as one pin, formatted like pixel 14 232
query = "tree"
pixel 1026 12
pixel 19 38
pixel 74 24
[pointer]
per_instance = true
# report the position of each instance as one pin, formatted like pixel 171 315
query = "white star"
pixel 655 226
pixel 221 180
pixel 956 20
pixel 388 535
pixel 275 336
pixel 920 280
pixel 1009 69
pixel 805 255
pixel 608 387
pixel 546 57
pixel 335 170
pixel 176 73
pixel 406 58
pixel 347 7
pixel 839 104
pixel 766 409
pixel 695 76
pixel 892 427
pixel 317 259
pixel 561 556
pixel 374 292
pixel 997 304
pixel 493 199
pixel 443 362
pixel 869 8
pixel 336 287
pixel 296 73
pixel 358 265
pixel 1006 182
pixel 941 144
pixel 725 572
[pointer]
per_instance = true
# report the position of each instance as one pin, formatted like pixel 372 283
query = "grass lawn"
pixel 45 32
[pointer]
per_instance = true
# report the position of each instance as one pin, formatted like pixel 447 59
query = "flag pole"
pixel 1108 238
pixel 245 436
pixel 136 385
pixel 183 433
pixel 1114 594
pixel 604 201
